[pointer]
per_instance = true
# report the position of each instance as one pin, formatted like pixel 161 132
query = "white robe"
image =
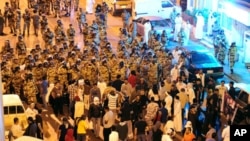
pixel 177 27
pixel 222 91
pixel 102 86
pixel 174 74
pixel 89 6
pixel 210 23
pixel 168 101
pixel 191 94
pixel 177 116
pixel 199 27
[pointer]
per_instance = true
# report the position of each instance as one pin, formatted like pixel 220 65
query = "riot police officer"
pixel 26 19
pixel 17 22
pixel 36 22
pixel 71 34
pixel 125 19
pixel 44 23
pixel 49 35
pixel 57 8
pixel 20 45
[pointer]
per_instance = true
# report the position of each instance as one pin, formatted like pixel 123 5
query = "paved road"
pixel 114 23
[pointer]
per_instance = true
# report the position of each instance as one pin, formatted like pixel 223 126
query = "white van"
pixel 116 7
pixel 161 8
pixel 13 107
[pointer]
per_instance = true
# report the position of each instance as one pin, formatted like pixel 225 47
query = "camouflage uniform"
pixel 104 71
pixel 164 38
pixel 38 72
pixel 57 8
pixel 7 78
pixel 71 34
pixel 63 74
pixel 20 45
pixel 76 2
pixel 30 90
pixel 91 73
pixel 221 53
pixel 36 22
pixel 11 20
pixel 52 73
pixel 17 81
pixel 49 35
pixel 13 4
pixel 232 52
pixel 125 18
pixel 153 73
pixel 44 24
pixel 26 19
pixel 47 6
pixel 59 32
pixel 17 22
pixel 67 7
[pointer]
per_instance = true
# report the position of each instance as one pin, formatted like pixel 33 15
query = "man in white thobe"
pixel 199 26
pixel 222 90
pixel 89 6
pixel 177 28
pixel 168 100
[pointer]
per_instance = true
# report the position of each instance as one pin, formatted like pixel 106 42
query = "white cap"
pixel 188 124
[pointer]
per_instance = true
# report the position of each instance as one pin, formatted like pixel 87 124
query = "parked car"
pixel 161 8
pixel 116 7
pixel 13 107
pixel 199 57
pixel 144 25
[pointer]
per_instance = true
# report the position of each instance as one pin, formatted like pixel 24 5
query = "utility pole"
pixel 2 130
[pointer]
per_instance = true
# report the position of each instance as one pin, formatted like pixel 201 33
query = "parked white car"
pixel 144 25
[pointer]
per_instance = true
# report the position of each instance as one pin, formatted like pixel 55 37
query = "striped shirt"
pixel 73 91
pixel 112 103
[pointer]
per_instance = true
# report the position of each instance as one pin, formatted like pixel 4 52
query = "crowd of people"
pixel 135 90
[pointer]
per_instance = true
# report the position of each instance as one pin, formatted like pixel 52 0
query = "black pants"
pixel 58 106
pixel 106 132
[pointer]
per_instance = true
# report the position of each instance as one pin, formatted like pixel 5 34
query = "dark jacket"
pixel 31 130
pixel 95 111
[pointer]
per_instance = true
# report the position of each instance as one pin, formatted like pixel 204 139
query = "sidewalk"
pixel 241 73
